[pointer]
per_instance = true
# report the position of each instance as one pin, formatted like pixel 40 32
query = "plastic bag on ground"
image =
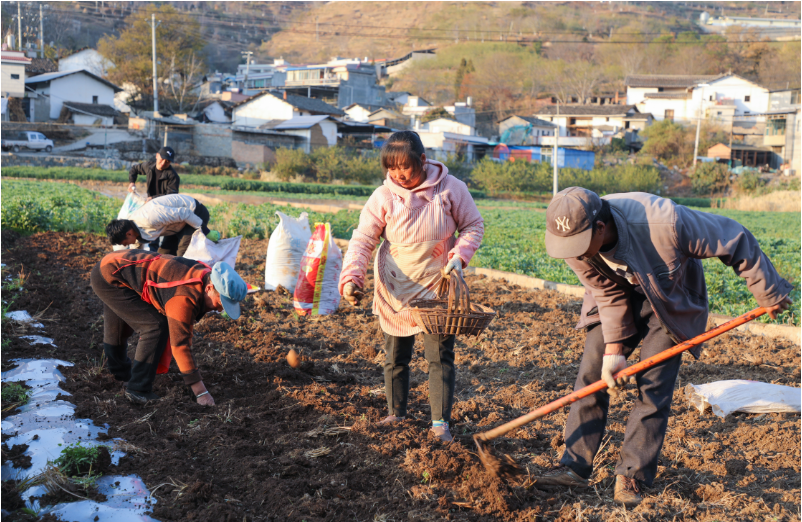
pixel 285 250
pixel 316 292
pixel 132 203
pixel 725 397
pixel 203 249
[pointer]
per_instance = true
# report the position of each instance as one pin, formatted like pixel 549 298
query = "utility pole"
pixel 247 55
pixel 554 152
pixel 19 26
pixel 699 122
pixel 153 26
pixel 41 34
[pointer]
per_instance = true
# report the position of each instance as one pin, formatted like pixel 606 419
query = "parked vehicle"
pixel 28 140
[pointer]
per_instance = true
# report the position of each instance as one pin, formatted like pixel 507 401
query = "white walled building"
pixel 87 59
pixel 268 109
pixel 684 98
pixel 78 86
pixel 317 131
pixel 448 125
pixel 12 66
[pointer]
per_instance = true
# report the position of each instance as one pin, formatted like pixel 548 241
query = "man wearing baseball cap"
pixel 161 178
pixel 639 258
pixel 160 297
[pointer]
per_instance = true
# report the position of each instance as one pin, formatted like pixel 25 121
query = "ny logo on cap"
pixel 562 223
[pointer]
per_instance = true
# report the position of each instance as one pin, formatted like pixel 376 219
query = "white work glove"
pixel 132 187
pixel 454 264
pixel 352 293
pixel 612 364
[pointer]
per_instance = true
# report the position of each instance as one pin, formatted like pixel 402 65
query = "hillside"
pixel 391 29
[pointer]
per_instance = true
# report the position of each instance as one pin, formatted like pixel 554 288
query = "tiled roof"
pixel 92 108
pixel 667 80
pixel 60 74
pixel 585 110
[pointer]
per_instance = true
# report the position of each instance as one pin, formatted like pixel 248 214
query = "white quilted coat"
pixel 165 215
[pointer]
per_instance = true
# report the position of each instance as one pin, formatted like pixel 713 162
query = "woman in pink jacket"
pixel 417 211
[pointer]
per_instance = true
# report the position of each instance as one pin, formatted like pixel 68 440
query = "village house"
pixel 360 112
pixel 523 130
pixel 339 82
pixel 587 125
pixel 13 65
pixel 389 118
pixel 782 132
pixel 439 145
pixel 78 89
pixel 447 125
pixel 718 98
pixel 271 108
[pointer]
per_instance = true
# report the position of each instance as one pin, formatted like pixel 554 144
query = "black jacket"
pixel 159 182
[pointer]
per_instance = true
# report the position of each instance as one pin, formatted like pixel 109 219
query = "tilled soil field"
pixel 302 444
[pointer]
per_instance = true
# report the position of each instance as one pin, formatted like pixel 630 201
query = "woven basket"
pixel 455 315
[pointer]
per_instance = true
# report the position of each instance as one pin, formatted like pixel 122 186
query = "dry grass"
pixel 780 201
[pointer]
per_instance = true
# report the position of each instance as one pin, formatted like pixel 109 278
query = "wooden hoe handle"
pixel 629 371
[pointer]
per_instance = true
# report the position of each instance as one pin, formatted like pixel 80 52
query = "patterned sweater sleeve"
pixel 470 225
pixel 364 240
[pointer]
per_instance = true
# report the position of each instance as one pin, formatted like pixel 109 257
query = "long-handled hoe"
pixel 505 467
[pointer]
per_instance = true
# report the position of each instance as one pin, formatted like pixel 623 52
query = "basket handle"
pixel 459 298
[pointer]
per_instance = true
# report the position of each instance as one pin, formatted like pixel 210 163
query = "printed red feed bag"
pixel 316 291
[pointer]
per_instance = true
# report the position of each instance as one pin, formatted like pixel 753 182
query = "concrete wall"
pixel 252 154
pixel 85 119
pixel 212 140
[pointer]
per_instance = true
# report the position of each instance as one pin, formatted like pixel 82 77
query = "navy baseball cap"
pixel 167 153
pixel 230 286
pixel 569 222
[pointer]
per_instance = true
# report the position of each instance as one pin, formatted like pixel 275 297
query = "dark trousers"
pixel 124 312
pixel 178 243
pixel 439 352
pixel 646 427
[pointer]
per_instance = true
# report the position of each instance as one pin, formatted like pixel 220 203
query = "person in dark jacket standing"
pixel 160 176
pixel 639 258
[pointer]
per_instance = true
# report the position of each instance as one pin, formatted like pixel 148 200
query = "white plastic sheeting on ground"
pixel 47 425
pixel 725 397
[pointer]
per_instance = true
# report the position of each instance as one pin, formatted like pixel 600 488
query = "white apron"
pixel 408 264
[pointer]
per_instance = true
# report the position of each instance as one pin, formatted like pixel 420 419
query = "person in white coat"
pixel 175 217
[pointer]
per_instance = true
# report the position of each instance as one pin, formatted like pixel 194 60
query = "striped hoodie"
pixel 183 305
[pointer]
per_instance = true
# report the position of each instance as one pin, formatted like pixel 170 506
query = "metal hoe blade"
pixel 504 467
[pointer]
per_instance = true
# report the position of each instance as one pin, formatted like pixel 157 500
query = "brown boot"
pixel 561 476
pixel 627 491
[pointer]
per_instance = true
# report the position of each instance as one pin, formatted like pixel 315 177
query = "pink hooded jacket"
pixel 458 205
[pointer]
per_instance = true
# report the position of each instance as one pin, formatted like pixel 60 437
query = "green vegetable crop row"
pixel 222 182
pixel 513 240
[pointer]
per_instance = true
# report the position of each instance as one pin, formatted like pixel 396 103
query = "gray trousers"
pixel 439 352
pixel 646 427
